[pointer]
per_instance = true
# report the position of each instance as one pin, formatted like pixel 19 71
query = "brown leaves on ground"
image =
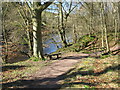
pixel 95 73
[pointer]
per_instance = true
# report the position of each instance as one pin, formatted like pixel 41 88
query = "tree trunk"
pixel 61 26
pixel 106 28
pixel 37 36
pixel 75 35
pixel 38 8
pixel 119 9
pixel 116 27
pixel 102 27
pixel 5 57
pixel 29 35
pixel 107 44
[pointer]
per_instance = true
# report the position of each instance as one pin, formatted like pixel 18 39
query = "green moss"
pixel 105 56
pixel 77 47
pixel 37 59
pixel 86 86
pixel 34 59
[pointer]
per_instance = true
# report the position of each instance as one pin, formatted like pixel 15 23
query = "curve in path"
pixel 50 76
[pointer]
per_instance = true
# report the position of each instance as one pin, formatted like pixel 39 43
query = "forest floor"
pixel 75 70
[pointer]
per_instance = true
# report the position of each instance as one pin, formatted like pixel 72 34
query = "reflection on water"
pixel 54 43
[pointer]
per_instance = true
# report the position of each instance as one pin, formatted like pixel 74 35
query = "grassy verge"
pixel 94 73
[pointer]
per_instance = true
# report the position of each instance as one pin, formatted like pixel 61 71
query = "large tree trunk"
pixel 38 8
pixel 37 36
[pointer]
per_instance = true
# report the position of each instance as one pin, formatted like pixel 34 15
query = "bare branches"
pixel 42 7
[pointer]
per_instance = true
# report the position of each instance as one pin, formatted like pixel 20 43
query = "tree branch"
pixel 46 4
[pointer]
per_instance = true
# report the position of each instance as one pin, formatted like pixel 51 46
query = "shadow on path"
pixel 12 67
pixel 48 82
pixel 74 57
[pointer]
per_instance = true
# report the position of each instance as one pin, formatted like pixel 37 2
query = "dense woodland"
pixel 82 27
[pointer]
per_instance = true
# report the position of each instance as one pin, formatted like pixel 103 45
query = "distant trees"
pixel 12 29
pixel 26 15
pixel 99 17
pixel 26 24
pixel 4 32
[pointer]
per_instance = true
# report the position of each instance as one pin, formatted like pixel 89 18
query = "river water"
pixel 54 43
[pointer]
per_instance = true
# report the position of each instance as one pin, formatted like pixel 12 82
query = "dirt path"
pixel 51 75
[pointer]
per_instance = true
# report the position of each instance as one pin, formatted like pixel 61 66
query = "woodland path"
pixel 50 76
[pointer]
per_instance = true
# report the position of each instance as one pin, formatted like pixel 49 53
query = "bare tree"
pixel 63 17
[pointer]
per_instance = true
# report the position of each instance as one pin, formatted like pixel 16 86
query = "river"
pixel 54 43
